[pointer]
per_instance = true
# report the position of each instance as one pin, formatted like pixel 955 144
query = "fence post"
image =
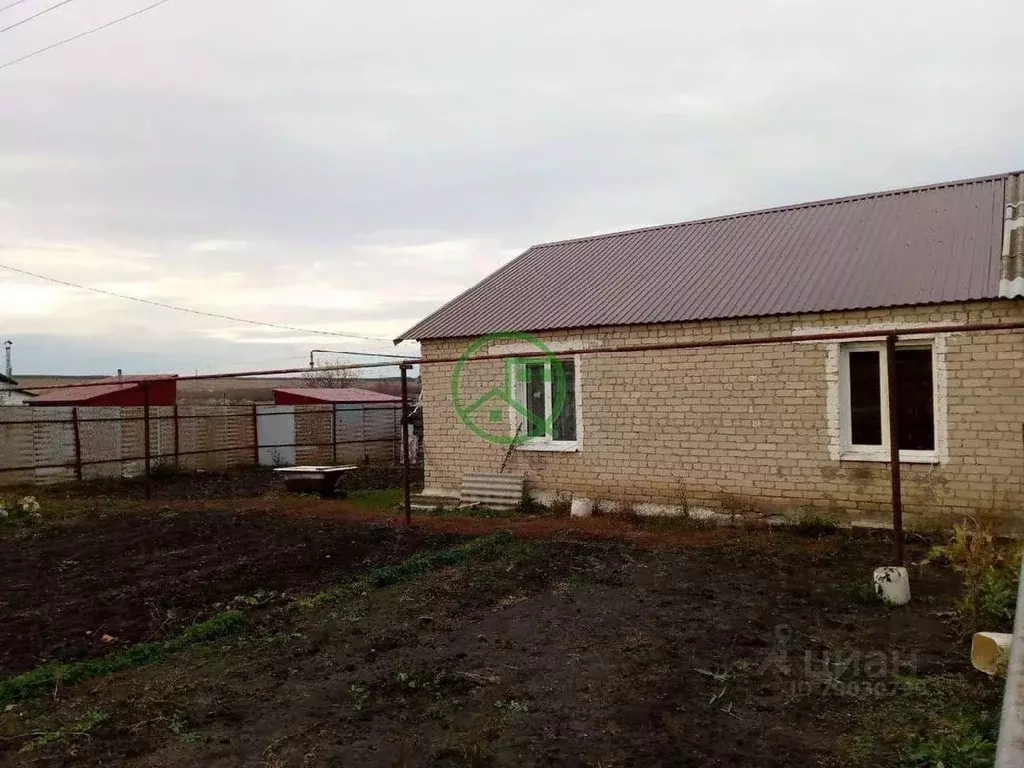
pixel 334 432
pixel 177 440
pixel 406 479
pixel 78 444
pixel 146 430
pixel 255 434
pixel 362 431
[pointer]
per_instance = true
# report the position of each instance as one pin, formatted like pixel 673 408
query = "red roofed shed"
pixel 117 392
pixel 319 396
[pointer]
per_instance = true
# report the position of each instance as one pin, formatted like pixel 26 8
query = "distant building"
pixel 11 393
pixel 117 391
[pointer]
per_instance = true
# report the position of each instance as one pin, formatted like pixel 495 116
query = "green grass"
pixel 222 625
pixel 990 568
pixel 47 679
pixel 958 735
pixel 389 575
pixel 68 734
pixel 387 498
pixel 927 722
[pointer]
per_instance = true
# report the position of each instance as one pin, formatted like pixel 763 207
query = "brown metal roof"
pixel 81 394
pixel 101 388
pixel 924 245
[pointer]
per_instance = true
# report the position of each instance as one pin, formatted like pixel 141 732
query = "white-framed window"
pixel 546 414
pixel 864 401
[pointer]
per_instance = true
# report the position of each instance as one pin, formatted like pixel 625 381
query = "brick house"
pixel 785 427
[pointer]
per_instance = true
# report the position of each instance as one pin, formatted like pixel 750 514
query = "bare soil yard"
pixel 143 577
pixel 715 648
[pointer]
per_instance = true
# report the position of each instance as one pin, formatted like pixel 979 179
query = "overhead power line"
pixel 80 35
pixel 188 310
pixel 11 5
pixel 35 15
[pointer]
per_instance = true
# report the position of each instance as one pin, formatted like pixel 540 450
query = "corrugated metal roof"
pixel 81 394
pixel 341 395
pixel 101 388
pixel 925 245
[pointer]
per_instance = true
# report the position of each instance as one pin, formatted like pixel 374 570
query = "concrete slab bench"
pixel 320 480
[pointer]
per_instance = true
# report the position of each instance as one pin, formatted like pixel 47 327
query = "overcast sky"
pixel 350 166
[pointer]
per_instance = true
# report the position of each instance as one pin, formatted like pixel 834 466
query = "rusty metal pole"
pixel 78 444
pixel 146 431
pixel 406 478
pixel 894 448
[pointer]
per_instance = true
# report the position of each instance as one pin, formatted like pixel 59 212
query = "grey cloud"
pixel 313 131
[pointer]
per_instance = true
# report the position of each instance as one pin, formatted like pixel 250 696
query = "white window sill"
pixel 906 457
pixel 549 446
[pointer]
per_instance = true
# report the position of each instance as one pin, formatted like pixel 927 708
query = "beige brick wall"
pixel 750 425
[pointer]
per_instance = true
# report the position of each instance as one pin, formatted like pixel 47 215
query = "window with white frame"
pixel 865 402
pixel 547 395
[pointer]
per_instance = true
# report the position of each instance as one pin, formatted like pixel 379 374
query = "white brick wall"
pixel 754 426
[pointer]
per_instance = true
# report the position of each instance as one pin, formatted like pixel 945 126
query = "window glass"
pixel 865 398
pixel 565 421
pixel 914 399
pixel 535 427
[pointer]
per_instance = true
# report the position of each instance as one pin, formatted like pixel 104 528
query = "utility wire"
pixel 100 28
pixel 35 16
pixel 11 5
pixel 215 315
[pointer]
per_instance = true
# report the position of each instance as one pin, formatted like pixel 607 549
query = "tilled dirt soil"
pixel 147 576
pixel 753 652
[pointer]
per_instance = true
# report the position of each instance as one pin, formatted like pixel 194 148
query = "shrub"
pixel 528 505
pixel 627 512
pixel 815 527
pixel 990 570
pixel 25 510
pixel 963 739
pixel 562 505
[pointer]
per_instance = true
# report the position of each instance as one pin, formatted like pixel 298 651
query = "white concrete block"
pixel 892 584
pixel 990 652
pixel 582 507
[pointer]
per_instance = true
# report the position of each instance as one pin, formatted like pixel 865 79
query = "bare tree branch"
pixel 327 379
